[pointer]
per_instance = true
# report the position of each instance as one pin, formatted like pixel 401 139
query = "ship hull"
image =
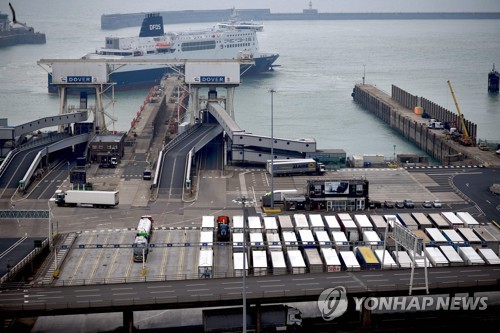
pixel 147 78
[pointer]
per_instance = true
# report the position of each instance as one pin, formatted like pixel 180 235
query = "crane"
pixel 465 138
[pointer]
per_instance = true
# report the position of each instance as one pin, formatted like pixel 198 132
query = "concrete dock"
pixel 397 112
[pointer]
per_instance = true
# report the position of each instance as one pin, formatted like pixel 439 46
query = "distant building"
pixel 337 195
pixel 105 146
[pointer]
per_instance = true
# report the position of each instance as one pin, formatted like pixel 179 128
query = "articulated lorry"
pixel 272 318
pixel 93 198
pixel 295 167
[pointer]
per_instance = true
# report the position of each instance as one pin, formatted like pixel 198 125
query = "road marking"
pixel 86 290
pixel 128 288
pixel 337 277
pixel 377 280
pixel 265 281
pixel 372 275
pixel 204 295
pixel 472 270
pixel 98 295
pixel 446 272
pixel 196 284
pixel 191 290
pixel 234 288
pixel 51 297
pixel 162 291
pixel 307 284
pixel 447 277
pixel 52 292
pixel 402 274
pixel 239 282
pixel 121 294
pixel 234 293
pixel 155 287
pixel 479 275
pixel 87 302
pixel 273 285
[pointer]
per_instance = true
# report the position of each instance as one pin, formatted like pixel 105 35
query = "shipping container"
pixel 470 256
pixel 300 221
pixel 254 224
pixel 452 236
pixel 290 240
pixel 332 223
pixel 452 255
pixel 379 224
pixel 468 220
pixel 363 223
pixel 259 262
pixel 407 221
pixel 237 242
pixel 470 238
pixel 238 263
pixel 422 220
pixel 205 263
pixel 316 222
pixel 307 238
pixel 323 239
pixel 436 257
pixel 438 221
pixel 389 262
pixel 349 227
pixel 453 220
pixel 436 236
pixel 489 256
pixel 285 223
pixel 238 225
pixel 313 260
pixel 206 239
pixel 273 242
pixel 402 259
pixel 340 241
pixel 278 262
pixel 296 262
pixel 270 224
pixel 331 259
pixel 367 258
pixel 257 240
pixel 372 240
pixel 208 223
pixel 348 261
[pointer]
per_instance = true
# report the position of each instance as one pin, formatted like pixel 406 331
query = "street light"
pixel 245 217
pixel 394 157
pixel 272 91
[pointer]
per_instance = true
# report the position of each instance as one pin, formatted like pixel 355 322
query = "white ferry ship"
pixel 220 42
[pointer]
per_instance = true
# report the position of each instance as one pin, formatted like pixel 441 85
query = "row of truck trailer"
pixel 303 243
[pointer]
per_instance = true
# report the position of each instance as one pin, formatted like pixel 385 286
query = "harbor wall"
pixel 398 113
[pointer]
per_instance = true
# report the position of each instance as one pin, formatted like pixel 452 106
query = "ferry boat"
pixel 235 23
pixel 15 32
pixel 219 42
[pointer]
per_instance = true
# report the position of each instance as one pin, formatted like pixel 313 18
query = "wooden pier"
pixel 398 111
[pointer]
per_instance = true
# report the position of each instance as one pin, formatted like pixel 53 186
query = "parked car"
pixel 375 204
pixel 408 203
pixel 388 204
pixel 399 204
pixel 427 204
pixel 437 204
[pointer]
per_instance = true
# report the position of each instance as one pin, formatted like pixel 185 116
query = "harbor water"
pixel 320 61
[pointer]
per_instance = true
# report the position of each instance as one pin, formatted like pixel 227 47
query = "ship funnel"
pixel 152 25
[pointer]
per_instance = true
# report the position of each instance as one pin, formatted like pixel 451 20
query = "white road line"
pixel 162 291
pixel 86 290
pixel 447 277
pixel 472 270
pixel 233 288
pixel 307 284
pixel 372 275
pixel 305 279
pixel 192 290
pixel 98 295
pixel 204 295
pixel 234 293
pixel 196 284
pixel 266 281
pixel 479 275
pixel 52 292
pixel 402 274
pixel 273 285
pixel 156 287
pixel 337 277
pixel 129 288
pixel 121 294
pixel 87 302
pixel 377 280
pixel 239 282
pixel 51 297
pixel 446 272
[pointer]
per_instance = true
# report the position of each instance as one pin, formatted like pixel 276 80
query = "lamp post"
pixel 272 91
pixel 245 217
pixel 394 157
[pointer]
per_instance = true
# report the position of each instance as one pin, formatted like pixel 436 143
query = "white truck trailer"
pixel 331 259
pixel 452 255
pixel 273 242
pixel 206 239
pixel 332 223
pixel 470 256
pixel 208 223
pixel 349 227
pixel 272 318
pixel 285 223
pixel 100 199
pixel 363 223
pixel 452 236
pixel 468 220
pixel 349 261
pixel 300 222
pixel 489 256
pixel 270 224
pixel 372 240
pixel 436 257
pixel 453 220
pixel 238 242
pixel 306 239
pixel 296 262
pixel 422 220
pixel 239 266
pixel 257 240
pixel 291 167
pixel 322 238
pixel 254 224
pixel 259 262
pixel 439 221
pixel 316 222
pixel 205 263
pixel 278 263
pixel 238 225
pixel 470 237
pixel 340 241
pixel 379 224
pixel 313 260
pixel 436 237
pixel 402 259
pixel 389 262
pixel 290 240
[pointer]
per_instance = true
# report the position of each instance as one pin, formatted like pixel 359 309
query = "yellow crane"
pixel 465 138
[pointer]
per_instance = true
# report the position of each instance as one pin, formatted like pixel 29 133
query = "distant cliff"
pixel 116 21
